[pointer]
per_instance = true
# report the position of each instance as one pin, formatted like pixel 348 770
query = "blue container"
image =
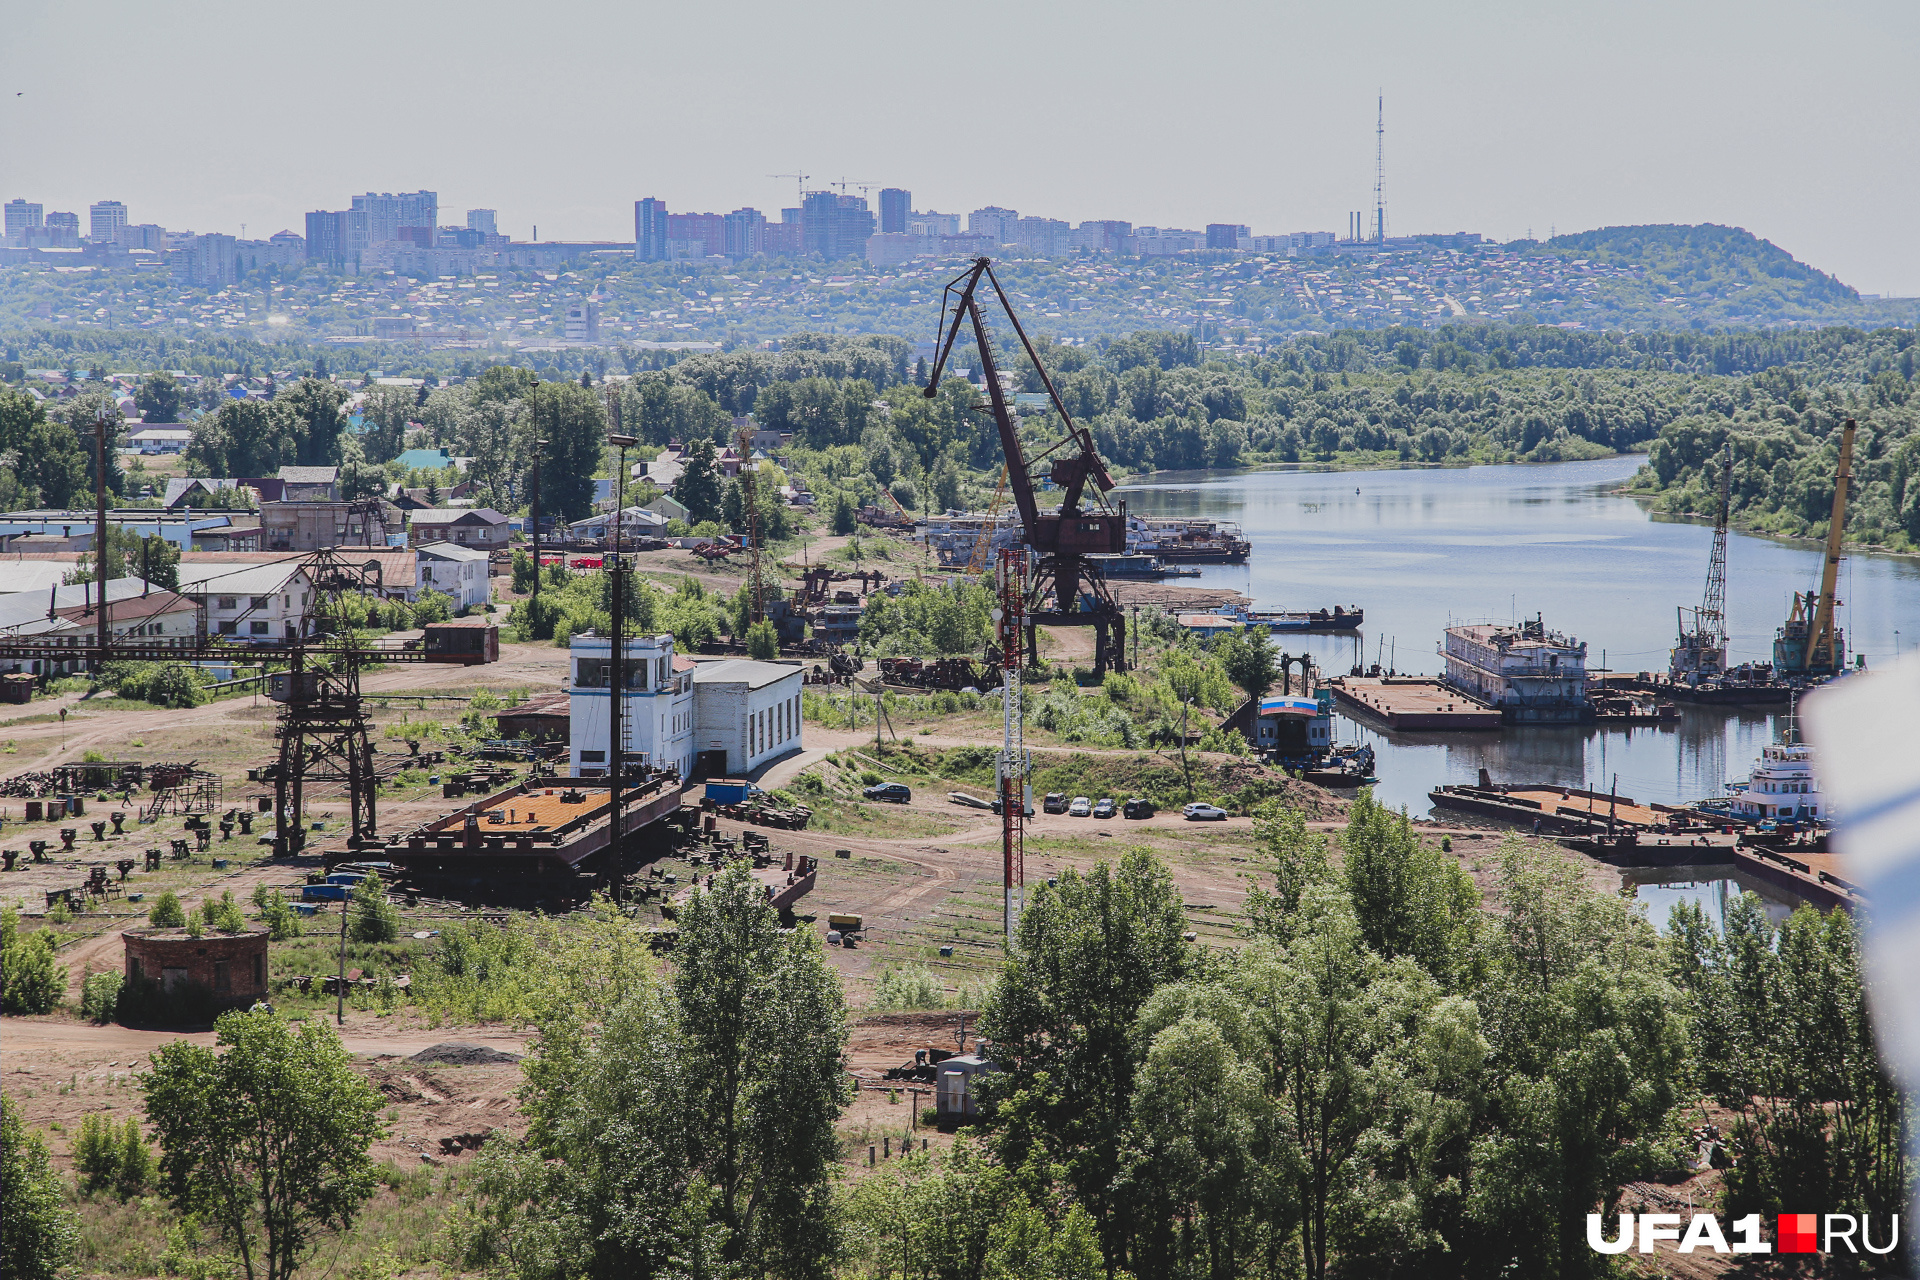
pixel 325 893
pixel 347 877
pixel 306 908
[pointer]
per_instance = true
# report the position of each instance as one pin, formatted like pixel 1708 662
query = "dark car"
pixel 1103 809
pixel 1056 802
pixel 897 792
pixel 1138 807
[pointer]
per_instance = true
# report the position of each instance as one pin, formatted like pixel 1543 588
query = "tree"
pixel 1248 657
pixel 1061 1018
pixel 699 487
pixel 159 398
pixel 573 422
pixel 359 477
pixel 309 413
pixel 762 641
pixel 52 460
pixel 166 912
pixel 241 438
pixel 386 412
pixel 132 555
pixel 267 1139
pixel 1408 898
pixel 503 382
pixel 843 521
pixel 29 968
pixel 39 1235
pixel 19 413
pixel 763 1024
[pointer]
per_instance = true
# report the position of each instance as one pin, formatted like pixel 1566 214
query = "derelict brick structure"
pixel 232 966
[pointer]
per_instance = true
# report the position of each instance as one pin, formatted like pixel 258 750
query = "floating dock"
pixel 1406 703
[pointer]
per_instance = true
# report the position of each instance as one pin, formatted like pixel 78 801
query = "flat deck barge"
pixel 1406 703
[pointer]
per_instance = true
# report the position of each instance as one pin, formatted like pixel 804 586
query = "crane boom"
pixel 1820 636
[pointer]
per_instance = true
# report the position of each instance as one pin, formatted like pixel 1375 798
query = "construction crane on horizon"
pixel 799 183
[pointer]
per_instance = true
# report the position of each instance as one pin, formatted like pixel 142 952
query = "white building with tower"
pixel 718 717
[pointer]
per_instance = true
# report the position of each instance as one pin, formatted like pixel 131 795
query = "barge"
pixel 1406 703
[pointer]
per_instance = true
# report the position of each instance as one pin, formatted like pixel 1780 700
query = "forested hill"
pixel 1723 275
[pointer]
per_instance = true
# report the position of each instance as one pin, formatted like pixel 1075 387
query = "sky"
pixel 1793 120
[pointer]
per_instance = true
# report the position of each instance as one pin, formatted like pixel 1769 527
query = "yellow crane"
pixel 1809 644
pixel 977 562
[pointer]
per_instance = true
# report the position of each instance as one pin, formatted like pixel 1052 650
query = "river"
pixel 1421 549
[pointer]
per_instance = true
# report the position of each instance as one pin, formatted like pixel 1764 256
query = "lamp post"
pixel 617 669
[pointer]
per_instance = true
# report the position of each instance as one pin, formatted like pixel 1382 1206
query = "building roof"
pixel 30 606
pixel 151 605
pixel 754 674
pixel 309 475
pixel 451 551
pixel 36 574
pixel 425 459
pixel 454 515
pixel 161 433
pixel 223 576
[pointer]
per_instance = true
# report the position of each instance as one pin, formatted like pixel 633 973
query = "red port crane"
pixel 1084 524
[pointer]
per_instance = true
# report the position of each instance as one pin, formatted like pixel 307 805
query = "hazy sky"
pixel 1797 121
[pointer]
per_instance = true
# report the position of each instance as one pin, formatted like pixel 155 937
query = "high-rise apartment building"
pixel 483 221
pixel 650 230
pixel 835 226
pixel 993 222
pixel 386 213
pixel 211 262
pixel 22 216
pixel 746 233
pixel 583 321
pixel 63 230
pixel 930 223
pixel 145 235
pixel 327 238
pixel 895 206
pixel 1228 235
pixel 1102 236
pixel 104 220
pixel 1042 237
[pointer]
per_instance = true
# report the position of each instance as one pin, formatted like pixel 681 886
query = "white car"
pixel 1080 808
pixel 1198 812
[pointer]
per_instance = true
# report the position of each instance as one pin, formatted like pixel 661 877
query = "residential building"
pixel 930 223
pixel 198 491
pixel 995 223
pixel 745 233
pixel 310 484
pixel 456 571
pixel 483 221
pixel 783 238
pixel 210 261
pixel 835 226
pixel 155 440
pixel 895 206
pixel 63 230
pixel 1042 237
pixel 104 220
pixel 746 713
pixel 22 217
pixel 258 598
pixel 1530 674
pixel 1229 235
pixel 180 530
pixel 650 230
pixel 147 235
pixel 327 238
pixel 658 711
pixel 68 615
pixel 386 214
pixel 481 527
pixel 285 249
pixel 310 525
pixel 1104 236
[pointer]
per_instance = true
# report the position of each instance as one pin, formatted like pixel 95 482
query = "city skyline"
pixel 1499 118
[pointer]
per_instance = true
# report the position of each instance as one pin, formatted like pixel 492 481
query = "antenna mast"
pixel 1380 172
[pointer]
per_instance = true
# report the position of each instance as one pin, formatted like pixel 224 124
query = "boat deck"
pixel 1573 804
pixel 1412 704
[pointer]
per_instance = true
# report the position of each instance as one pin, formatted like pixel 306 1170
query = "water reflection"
pixel 1712 887
pixel 1421 549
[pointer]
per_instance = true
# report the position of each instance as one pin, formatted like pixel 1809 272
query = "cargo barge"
pixel 1407 704
pixel 1173 539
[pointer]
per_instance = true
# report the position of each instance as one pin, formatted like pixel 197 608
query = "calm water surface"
pixel 1421 549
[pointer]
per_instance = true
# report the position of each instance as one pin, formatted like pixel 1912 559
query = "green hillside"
pixel 1711 272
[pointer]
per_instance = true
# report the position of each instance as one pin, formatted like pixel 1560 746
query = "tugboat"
pixel 1780 792
pixel 1349 766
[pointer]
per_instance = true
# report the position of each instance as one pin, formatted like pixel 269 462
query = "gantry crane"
pixel 1061 539
pixel 1809 647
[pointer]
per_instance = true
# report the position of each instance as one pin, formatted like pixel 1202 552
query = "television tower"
pixel 1380 173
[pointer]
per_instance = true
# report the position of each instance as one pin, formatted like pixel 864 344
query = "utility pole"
pixel 340 985
pixel 538 445
pixel 617 584
pixel 100 535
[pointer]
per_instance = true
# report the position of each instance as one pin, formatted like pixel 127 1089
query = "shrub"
pixel 374 918
pixel 33 981
pixel 100 995
pixel 166 913
pixel 908 987
pixel 109 1157
pixel 223 913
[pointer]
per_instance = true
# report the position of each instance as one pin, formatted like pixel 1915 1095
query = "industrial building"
pixel 718 716
pixel 1532 675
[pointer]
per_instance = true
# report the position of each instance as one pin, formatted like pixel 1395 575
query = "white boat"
pixel 1780 788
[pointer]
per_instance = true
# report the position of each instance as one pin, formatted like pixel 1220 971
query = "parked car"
pixel 1138 807
pixel 1056 802
pixel 896 792
pixel 1104 809
pixel 1199 812
pixel 1080 808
